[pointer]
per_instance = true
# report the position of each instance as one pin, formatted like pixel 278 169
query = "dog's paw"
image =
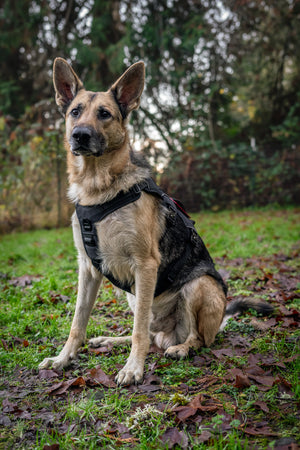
pixel 177 351
pixel 130 374
pixel 55 362
pixel 106 340
pixel 95 342
pixel 101 340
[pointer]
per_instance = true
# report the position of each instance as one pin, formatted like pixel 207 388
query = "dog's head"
pixel 96 121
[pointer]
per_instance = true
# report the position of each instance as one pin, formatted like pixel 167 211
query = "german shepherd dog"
pixel 133 244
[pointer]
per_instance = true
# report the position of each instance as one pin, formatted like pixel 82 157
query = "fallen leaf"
pixel 97 376
pixel 14 409
pixel 47 374
pixel 223 352
pixel 239 341
pixel 55 298
pixel 271 362
pixel 233 373
pixel 100 350
pixel 184 412
pixel 260 431
pixel 254 370
pixel 24 280
pixel 204 436
pixel 63 386
pixel 152 379
pixel 198 403
pixel 267 381
pixel 204 382
pixel 262 405
pixel 20 341
pixel 173 437
pixel 8 407
pixel 5 420
pixel 51 447
pixel 242 381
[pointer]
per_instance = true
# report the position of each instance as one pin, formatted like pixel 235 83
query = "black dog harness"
pixel 182 246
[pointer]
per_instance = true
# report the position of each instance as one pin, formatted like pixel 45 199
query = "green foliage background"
pixel 219 119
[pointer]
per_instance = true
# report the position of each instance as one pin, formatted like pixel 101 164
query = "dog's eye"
pixel 75 112
pixel 103 114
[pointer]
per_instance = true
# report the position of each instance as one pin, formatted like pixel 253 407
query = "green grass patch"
pixel 248 233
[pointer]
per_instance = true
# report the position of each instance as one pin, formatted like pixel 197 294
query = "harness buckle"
pixel 89 240
pixel 87 225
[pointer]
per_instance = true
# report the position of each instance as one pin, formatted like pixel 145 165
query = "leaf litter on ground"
pixel 239 379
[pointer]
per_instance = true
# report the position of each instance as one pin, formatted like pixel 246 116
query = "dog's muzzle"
pixel 85 141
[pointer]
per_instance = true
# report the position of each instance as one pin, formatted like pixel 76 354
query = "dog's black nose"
pixel 82 136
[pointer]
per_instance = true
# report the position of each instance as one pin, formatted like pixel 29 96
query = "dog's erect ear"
pixel 128 89
pixel 66 83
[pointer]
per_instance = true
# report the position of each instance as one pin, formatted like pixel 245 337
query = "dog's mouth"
pixel 80 151
pixel 85 141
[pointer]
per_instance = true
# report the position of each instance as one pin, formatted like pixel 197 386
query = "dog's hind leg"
pixel 211 309
pixel 204 310
pixel 185 331
pixel 88 285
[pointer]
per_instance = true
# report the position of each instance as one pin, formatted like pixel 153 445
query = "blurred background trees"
pixel 220 115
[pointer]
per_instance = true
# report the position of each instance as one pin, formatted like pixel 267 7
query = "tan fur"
pixel 129 237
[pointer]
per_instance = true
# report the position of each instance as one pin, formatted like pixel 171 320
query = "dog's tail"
pixel 238 306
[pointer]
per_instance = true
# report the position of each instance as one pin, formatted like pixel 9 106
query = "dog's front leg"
pixel 88 285
pixel 145 282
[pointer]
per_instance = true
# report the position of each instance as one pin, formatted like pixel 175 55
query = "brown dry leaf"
pixel 47 374
pixel 151 383
pixel 242 381
pixel 267 381
pixel 100 350
pixel 13 408
pixel 260 431
pixel 51 447
pixel 204 436
pixel 24 280
pixel 97 376
pixel 63 386
pixel 198 403
pixel 173 437
pixel 254 370
pixel 184 412
pixel 262 405
pixel 223 352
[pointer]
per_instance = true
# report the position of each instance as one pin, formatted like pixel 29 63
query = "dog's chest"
pixel 118 245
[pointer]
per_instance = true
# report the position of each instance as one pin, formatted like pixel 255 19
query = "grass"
pixel 258 249
pixel 249 233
